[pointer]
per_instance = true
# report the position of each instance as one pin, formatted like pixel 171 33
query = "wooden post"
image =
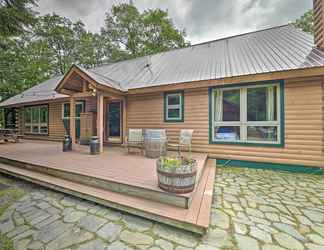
pixel 72 120
pixel 100 118
pixel 124 122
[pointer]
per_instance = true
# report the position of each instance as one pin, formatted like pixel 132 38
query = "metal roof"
pixel 275 49
pixel 41 92
pixel 103 80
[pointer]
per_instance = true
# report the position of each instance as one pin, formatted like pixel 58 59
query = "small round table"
pixel 154 148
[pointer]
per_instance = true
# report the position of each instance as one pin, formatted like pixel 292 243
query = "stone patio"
pixel 252 209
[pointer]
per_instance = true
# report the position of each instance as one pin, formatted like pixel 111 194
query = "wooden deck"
pixel 114 178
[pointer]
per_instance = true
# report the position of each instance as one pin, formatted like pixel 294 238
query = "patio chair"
pixel 134 139
pixel 185 140
pixel 155 142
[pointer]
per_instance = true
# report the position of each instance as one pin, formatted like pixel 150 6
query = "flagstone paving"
pixel 252 210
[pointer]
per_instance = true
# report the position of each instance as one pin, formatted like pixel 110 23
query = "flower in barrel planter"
pixel 176 174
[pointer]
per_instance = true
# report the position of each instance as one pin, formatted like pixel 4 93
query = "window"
pixel 173 107
pixel 66 111
pixel 249 114
pixel 79 108
pixel 9 118
pixel 36 119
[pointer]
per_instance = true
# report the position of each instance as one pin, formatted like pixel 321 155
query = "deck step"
pixel 179 200
pixel 195 219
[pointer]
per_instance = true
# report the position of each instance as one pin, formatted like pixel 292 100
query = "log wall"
pixel 303 124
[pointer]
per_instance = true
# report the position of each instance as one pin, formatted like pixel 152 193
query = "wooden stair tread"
pixel 198 214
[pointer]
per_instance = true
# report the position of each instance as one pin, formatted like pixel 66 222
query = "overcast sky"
pixel 203 20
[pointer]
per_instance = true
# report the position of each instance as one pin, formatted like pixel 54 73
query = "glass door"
pixel 114 120
pixel 79 108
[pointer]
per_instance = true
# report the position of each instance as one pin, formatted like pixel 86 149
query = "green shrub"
pixel 170 162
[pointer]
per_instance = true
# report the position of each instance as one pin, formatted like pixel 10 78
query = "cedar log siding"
pixel 304 132
pixel 55 124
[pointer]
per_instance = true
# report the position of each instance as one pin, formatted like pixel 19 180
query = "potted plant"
pixel 176 174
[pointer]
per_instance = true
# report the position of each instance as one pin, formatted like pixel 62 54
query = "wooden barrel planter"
pixel 180 179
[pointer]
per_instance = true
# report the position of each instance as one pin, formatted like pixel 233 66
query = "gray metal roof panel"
pixel 275 49
pixel 41 92
pixel 103 80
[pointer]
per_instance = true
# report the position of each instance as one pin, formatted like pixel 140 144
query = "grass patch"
pixel 9 196
pixel 5 243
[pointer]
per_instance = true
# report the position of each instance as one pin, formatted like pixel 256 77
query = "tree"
pixel 132 34
pixel 89 48
pixel 23 64
pixel 49 49
pixel 16 16
pixel 306 22
pixel 124 30
pixel 160 32
pixel 70 43
pixel 58 34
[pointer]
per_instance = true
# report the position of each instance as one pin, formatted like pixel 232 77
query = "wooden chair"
pixel 185 140
pixel 134 139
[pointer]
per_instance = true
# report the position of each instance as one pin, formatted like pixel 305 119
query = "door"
pixel 114 121
pixel 79 108
pixel 10 118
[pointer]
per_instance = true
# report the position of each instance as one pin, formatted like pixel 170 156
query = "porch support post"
pixel 100 118
pixel 72 120
pixel 124 122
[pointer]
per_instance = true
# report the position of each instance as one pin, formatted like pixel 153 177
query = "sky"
pixel 202 20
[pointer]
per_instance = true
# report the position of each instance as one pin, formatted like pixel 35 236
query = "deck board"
pixel 195 218
pixel 113 164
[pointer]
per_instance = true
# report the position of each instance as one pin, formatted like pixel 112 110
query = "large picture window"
pixel 36 119
pixel 247 114
pixel 173 107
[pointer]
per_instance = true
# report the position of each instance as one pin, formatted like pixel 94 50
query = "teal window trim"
pixel 181 118
pixel 281 143
pixel 83 102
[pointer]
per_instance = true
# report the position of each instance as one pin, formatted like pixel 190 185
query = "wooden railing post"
pixel 72 120
pixel 100 118
pixel 124 122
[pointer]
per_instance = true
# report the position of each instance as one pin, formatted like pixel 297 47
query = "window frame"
pixel 243 123
pixel 39 124
pixel 179 106
pixel 76 103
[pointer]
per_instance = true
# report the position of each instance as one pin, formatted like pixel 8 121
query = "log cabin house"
pixel 255 99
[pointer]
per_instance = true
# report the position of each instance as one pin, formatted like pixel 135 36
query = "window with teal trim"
pixel 173 107
pixel 246 114
pixel 36 120
pixel 79 108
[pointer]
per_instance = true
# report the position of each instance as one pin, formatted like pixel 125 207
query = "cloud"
pixel 249 5
pixel 203 20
